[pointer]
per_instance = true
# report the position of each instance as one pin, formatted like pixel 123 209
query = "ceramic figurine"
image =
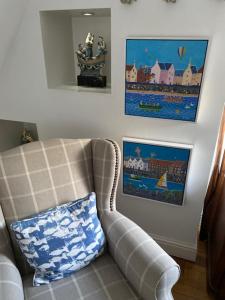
pixel 81 51
pixel 91 66
pixel 101 47
pixel 89 45
pixel 26 136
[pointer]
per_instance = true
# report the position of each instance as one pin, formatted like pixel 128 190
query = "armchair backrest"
pixel 41 175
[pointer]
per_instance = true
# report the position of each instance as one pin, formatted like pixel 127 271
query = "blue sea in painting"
pixel 185 110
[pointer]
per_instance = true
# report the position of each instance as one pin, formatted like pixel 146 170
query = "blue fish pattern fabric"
pixel 61 240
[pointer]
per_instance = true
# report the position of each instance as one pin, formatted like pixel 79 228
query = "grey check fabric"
pixel 5 246
pixel 101 280
pixel 41 175
pixel 146 265
pixel 106 164
pixel 11 286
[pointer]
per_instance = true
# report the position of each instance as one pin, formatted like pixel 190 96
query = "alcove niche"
pixel 11 133
pixel 62 32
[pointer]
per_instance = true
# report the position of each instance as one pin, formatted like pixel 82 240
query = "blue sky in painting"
pixel 159 152
pixel 146 52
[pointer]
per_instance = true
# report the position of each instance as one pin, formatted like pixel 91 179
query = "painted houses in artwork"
pixel 178 78
pixel 189 77
pixel 192 76
pixel 141 75
pixel 197 77
pixel 163 73
pixel 155 168
pixel 144 74
pixel 131 73
pixel 136 164
pixel 176 170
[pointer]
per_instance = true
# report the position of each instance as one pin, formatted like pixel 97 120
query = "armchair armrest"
pixel 150 270
pixel 5 246
pixel 11 287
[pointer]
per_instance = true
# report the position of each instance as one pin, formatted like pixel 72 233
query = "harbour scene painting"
pixel 155 170
pixel 164 77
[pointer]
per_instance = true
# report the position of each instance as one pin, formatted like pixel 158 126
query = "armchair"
pixel 40 175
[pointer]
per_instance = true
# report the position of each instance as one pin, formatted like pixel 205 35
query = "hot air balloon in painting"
pixel 181 52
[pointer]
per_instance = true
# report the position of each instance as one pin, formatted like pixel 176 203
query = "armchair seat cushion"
pixel 101 280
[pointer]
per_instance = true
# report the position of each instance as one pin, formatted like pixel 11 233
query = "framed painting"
pixel 155 170
pixel 163 77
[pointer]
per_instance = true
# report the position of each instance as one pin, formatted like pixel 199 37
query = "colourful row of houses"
pixel 155 166
pixel 164 73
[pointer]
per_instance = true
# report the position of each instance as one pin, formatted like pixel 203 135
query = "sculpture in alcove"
pixel 26 136
pixel 91 66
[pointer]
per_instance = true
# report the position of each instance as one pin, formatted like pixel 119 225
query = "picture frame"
pixel 164 77
pixel 155 170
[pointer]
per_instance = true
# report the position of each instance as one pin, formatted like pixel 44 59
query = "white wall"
pixel 11 12
pixel 60 113
pixel 58 48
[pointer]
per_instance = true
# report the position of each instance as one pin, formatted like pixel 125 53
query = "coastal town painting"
pixel 155 170
pixel 164 77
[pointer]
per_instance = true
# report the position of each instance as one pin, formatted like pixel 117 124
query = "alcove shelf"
pixel 62 32
pixel 11 133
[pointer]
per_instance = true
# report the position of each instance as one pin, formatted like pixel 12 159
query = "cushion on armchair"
pixel 61 240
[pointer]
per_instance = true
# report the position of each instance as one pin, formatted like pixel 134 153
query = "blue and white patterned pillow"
pixel 61 240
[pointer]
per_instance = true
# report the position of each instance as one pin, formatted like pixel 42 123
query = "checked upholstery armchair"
pixel 41 175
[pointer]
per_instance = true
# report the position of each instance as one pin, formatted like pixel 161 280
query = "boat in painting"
pixel 135 177
pixel 174 99
pixel 150 106
pixel 162 183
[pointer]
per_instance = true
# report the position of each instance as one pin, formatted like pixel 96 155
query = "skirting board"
pixel 176 248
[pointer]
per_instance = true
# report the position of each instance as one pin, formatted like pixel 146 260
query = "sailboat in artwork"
pixel 162 183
